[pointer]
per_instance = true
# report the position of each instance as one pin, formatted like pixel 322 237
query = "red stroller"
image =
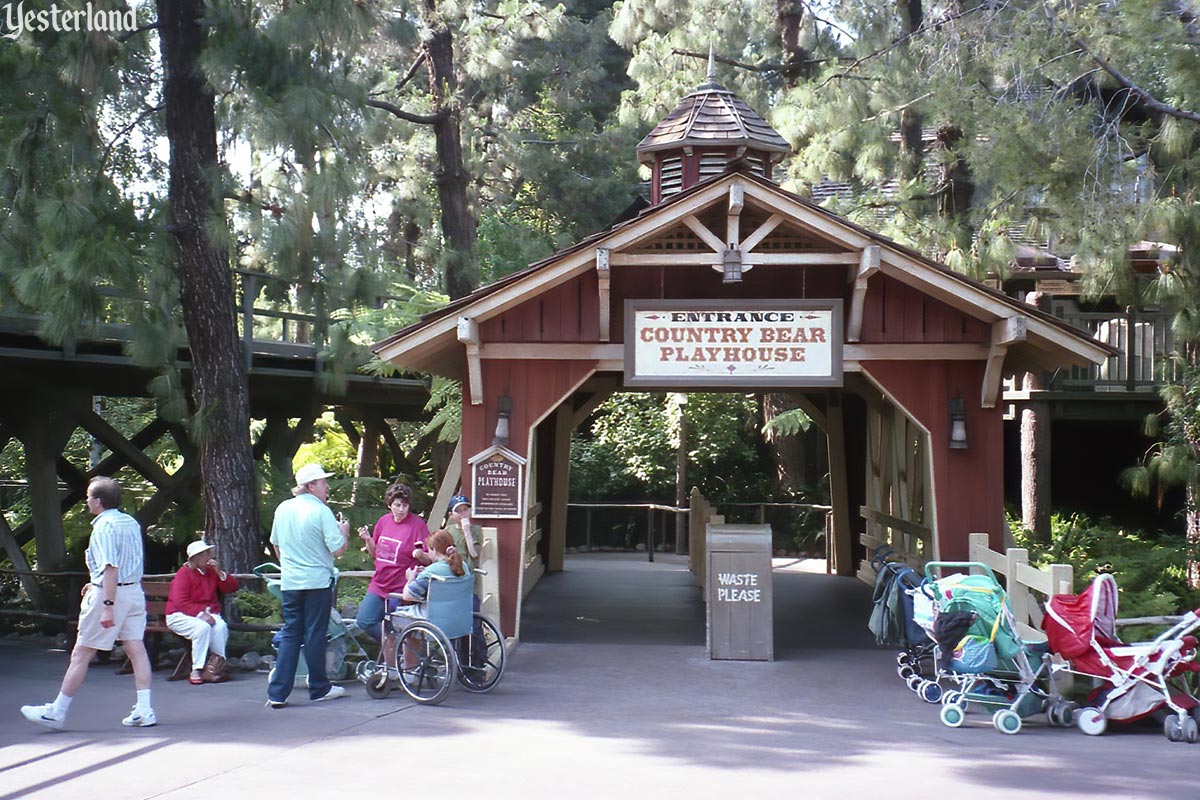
pixel 1135 679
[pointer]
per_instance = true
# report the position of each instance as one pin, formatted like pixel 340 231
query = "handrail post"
pixel 650 533
pixel 1130 346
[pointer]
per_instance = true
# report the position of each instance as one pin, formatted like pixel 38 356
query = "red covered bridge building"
pixel 728 283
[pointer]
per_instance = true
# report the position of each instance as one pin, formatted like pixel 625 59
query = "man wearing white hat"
pixel 194 611
pixel 307 538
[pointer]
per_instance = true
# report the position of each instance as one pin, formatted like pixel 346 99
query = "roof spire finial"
pixel 712 62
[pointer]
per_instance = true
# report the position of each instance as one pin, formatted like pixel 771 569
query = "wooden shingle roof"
pixel 712 115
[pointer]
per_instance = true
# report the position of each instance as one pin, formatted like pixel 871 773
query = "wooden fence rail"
pixel 1022 581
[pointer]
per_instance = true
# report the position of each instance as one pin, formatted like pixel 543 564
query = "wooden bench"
pixel 156 626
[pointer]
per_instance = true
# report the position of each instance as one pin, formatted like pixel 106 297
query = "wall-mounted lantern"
pixel 504 412
pixel 958 423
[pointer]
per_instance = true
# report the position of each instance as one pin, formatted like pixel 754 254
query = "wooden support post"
pixel 737 201
pixel 1005 332
pixel 839 488
pixel 560 488
pixel 468 334
pixel 49 419
pixel 448 487
pixel 347 426
pixel 868 265
pixel 111 438
pixel 603 278
pixel 17 556
pixel 1020 601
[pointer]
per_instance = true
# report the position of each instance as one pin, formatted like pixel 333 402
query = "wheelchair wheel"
pixel 480 669
pixel 378 685
pixel 426 662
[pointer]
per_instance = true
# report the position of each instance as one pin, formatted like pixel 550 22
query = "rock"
pixel 250 661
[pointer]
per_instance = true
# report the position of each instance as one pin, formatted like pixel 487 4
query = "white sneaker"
pixel 333 694
pixel 44 715
pixel 140 719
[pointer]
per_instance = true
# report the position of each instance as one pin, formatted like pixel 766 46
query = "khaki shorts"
pixel 129 617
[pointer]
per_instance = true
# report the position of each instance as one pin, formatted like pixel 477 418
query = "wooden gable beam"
pixel 603 278
pixel 761 232
pixel 868 265
pixel 468 334
pixel 708 237
pixel 733 221
pixel 1005 332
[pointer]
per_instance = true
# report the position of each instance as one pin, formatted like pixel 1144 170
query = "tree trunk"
pixel 912 139
pixel 367 465
pixel 955 185
pixel 788 452
pixel 1035 465
pixel 222 418
pixel 789 20
pixel 458 220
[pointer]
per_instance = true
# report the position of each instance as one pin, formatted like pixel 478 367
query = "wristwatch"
pixel 108 602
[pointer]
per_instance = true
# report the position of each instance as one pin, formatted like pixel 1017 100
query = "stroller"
pixel 897 590
pixel 1136 680
pixel 979 651
pixel 339 643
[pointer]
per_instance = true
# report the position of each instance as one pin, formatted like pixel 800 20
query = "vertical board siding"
pixel 896 312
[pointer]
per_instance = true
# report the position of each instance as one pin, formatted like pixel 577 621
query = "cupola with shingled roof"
pixel 710 132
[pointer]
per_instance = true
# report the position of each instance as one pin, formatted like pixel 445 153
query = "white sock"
pixel 62 704
pixel 143 700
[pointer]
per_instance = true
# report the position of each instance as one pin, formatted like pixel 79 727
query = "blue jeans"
pixel 370 615
pixel 305 623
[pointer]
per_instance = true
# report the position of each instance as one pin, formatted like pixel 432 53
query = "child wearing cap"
pixel 194 611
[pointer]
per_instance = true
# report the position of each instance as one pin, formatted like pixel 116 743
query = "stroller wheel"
pixel 364 670
pixel 953 715
pixel 1091 722
pixel 930 692
pixel 1054 715
pixel 905 671
pixel 903 660
pixel 1173 728
pixel 914 682
pixel 1191 731
pixel 1007 721
pixel 952 698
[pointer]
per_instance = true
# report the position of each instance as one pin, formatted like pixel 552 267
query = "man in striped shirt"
pixel 113 608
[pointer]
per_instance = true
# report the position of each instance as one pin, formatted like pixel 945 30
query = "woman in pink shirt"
pixel 391 544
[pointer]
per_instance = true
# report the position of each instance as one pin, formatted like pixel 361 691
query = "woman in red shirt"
pixel 194 606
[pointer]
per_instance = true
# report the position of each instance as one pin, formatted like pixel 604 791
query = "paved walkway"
pixel 609 694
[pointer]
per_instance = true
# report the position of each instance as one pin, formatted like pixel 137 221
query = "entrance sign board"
pixel 717 343
pixel 497 483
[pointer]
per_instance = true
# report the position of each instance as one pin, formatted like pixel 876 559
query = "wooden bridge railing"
pixel 1022 582
pixel 1145 340
pixel 901 539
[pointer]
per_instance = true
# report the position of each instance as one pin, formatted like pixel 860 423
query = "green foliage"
pixel 1150 570
pixel 630 448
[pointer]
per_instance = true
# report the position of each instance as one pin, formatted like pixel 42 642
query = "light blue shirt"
pixel 307 535
pixel 116 541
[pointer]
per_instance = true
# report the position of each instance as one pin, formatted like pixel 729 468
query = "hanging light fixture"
pixel 958 423
pixel 503 413
pixel 731 265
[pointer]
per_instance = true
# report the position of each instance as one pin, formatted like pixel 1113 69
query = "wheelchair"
pixel 454 642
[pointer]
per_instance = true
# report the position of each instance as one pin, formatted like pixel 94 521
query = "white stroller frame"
pixel 1148 672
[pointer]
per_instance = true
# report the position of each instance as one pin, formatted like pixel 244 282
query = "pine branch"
pixel 247 198
pixel 1147 99
pixel 120 135
pixel 412 70
pixel 124 37
pixel 408 116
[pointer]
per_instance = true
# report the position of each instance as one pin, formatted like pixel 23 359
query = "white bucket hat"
pixel 309 473
pixel 196 548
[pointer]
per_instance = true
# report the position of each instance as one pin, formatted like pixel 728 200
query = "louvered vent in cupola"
pixel 712 164
pixel 671 175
